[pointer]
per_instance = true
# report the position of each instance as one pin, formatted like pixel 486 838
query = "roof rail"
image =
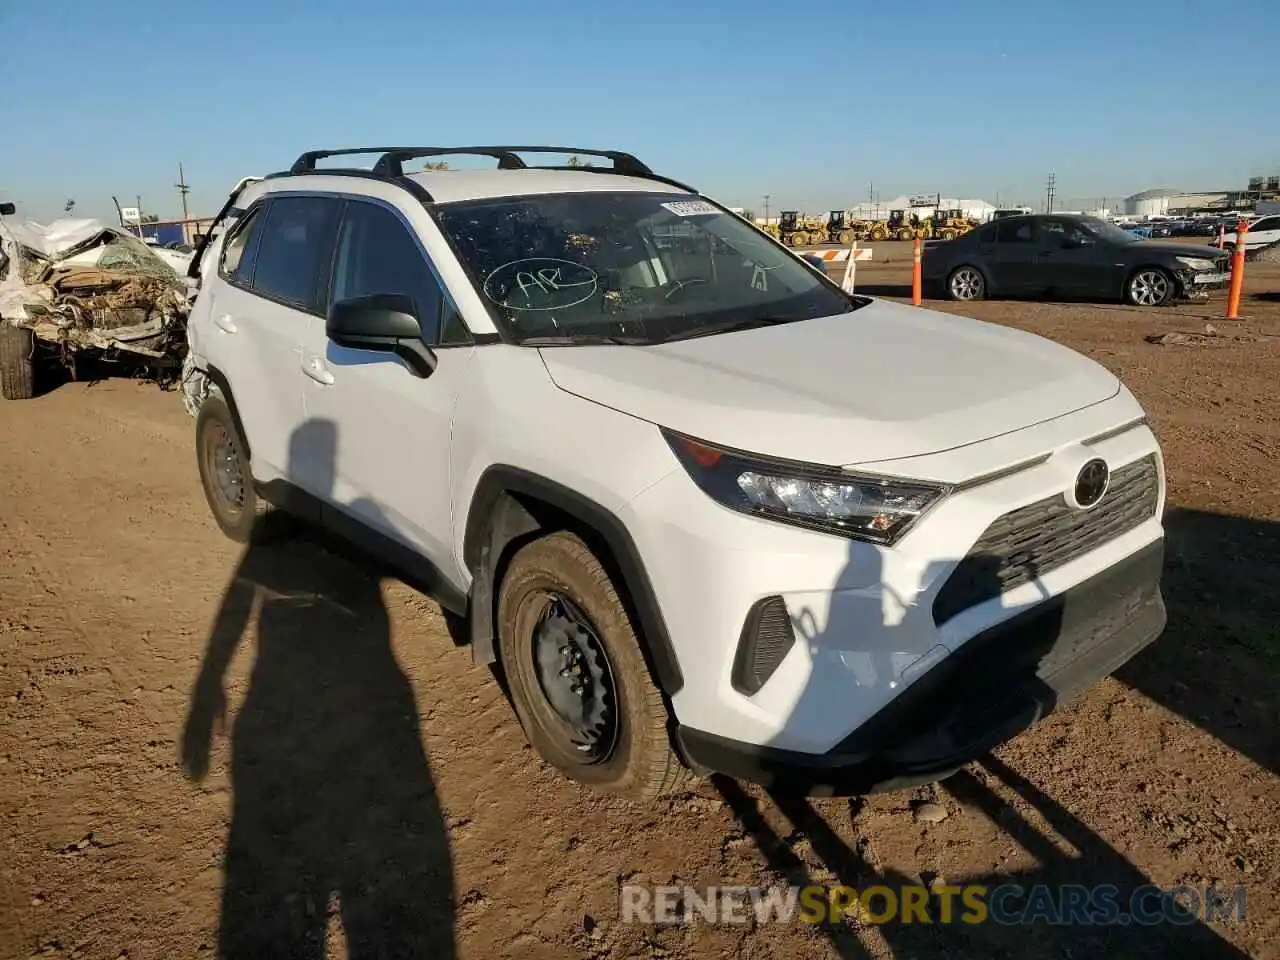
pixel 390 164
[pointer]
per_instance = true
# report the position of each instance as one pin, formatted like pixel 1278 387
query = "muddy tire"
pixel 17 362
pixel 578 680
pixel 226 478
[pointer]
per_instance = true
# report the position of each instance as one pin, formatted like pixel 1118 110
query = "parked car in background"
pixel 1072 256
pixel 1262 232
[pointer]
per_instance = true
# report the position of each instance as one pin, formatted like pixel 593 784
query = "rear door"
pixel 270 272
pixel 1013 263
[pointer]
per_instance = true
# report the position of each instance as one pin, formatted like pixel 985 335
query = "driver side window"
pixel 377 254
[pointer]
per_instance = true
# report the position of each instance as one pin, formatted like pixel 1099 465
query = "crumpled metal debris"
pixel 82 285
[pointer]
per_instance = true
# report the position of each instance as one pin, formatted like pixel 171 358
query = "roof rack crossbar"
pixel 391 161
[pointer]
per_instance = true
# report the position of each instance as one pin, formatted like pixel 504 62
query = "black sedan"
pixel 1070 256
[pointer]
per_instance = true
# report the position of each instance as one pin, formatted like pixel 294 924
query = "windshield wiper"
pixel 729 326
pixel 583 340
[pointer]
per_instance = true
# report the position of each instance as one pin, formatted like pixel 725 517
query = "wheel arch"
pixel 511 506
pixel 224 387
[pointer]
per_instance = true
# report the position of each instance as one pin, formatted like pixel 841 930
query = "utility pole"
pixel 766 209
pixel 184 188
pixel 1048 194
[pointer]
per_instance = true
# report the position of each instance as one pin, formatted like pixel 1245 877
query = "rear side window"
pixel 377 254
pixel 238 253
pixel 1015 231
pixel 1266 223
pixel 987 234
pixel 295 249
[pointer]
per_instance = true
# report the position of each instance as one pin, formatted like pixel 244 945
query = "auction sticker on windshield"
pixel 540 283
pixel 690 208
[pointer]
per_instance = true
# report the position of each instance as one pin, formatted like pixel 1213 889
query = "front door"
pixel 390 429
pixel 1073 262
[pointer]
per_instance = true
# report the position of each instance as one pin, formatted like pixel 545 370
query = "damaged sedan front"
pixel 77 290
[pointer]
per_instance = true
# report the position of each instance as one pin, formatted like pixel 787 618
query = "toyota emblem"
pixel 1091 483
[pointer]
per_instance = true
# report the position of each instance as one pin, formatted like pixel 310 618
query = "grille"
pixel 1032 540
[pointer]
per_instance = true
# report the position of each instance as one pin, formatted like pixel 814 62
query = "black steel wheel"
pixel 223 461
pixel 577 678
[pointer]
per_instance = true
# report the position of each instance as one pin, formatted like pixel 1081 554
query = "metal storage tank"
pixel 1150 203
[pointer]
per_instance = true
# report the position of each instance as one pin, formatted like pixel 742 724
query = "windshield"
pixel 628 267
pixel 1107 231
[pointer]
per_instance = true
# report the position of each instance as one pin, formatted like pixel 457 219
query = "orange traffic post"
pixel 916 279
pixel 1237 272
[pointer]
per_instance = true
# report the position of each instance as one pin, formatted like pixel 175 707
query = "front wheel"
pixel 17 362
pixel 578 681
pixel 1149 287
pixel 966 283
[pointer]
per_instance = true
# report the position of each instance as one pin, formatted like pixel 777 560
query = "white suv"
pixel 706 510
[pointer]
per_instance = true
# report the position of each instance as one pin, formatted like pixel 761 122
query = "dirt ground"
pixel 382 789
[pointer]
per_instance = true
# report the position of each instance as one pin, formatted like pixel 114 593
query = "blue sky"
pixel 810 103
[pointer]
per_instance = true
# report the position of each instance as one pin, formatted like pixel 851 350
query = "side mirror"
pixel 383 323
pixel 8 209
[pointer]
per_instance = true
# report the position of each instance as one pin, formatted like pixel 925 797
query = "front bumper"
pixel 1200 284
pixel 999 683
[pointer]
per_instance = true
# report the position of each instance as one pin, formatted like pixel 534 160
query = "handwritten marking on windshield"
pixel 540 283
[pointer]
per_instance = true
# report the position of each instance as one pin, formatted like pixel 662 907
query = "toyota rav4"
pixel 704 509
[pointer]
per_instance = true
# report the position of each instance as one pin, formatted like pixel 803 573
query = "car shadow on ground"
pixel 1096 863
pixel 334 810
pixel 1218 662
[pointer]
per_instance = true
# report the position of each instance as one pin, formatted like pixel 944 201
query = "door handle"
pixel 316 369
pixel 224 323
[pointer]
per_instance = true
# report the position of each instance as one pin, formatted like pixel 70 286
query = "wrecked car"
pixel 77 290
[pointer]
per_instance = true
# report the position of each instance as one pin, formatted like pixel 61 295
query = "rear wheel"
pixel 579 684
pixel 17 362
pixel 906 233
pixel 845 237
pixel 1149 287
pixel 223 462
pixel 966 283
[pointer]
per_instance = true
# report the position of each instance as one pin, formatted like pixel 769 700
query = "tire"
pixel 966 283
pixel 226 477
pixel 906 234
pixel 562 623
pixel 879 234
pixel 844 237
pixel 1150 287
pixel 17 362
pixel 948 234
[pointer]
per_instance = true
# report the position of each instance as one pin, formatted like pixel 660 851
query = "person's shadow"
pixel 333 802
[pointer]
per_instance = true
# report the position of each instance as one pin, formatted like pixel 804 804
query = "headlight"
pixel 1196 263
pixel 877 509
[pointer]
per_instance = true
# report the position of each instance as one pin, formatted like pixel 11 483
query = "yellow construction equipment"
pixel 798 230
pixel 949 224
pixel 844 229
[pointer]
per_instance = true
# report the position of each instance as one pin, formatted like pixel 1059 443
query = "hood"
pixel 1174 249
pixel 880 383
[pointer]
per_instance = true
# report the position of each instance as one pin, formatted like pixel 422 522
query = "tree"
pixel 577 161
pixel 436 165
